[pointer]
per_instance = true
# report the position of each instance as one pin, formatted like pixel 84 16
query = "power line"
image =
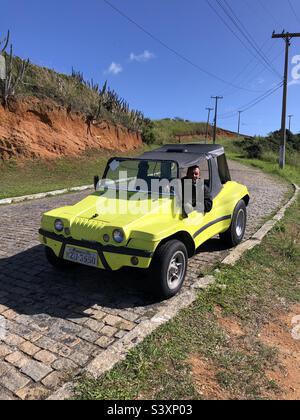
pixel 251 76
pixel 229 12
pixel 253 103
pixel 172 50
pixel 293 10
pixel 270 15
pixel 232 31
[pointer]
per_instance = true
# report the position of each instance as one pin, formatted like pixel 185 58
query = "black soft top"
pixel 186 155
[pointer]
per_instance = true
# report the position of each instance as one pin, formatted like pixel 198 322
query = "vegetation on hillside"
pixel 169 130
pixel 24 79
pixel 267 148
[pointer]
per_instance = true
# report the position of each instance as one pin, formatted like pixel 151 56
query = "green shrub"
pixel 148 135
pixel 252 148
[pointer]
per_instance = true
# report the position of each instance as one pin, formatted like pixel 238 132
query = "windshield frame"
pixel 139 160
pixel 149 192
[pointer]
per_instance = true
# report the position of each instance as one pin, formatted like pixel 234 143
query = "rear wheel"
pixel 56 262
pixel 168 269
pixel 235 234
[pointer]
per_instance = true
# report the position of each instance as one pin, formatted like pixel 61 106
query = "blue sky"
pixel 93 38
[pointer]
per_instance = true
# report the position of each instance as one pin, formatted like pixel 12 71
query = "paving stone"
pixel 104 342
pixel 17 359
pixel 64 364
pixel 3 309
pixel 71 341
pixel 128 316
pixel 36 370
pixel 99 315
pixel 88 335
pixel 45 357
pixel 5 395
pixel 86 348
pixel 4 368
pixel 32 392
pixel 13 380
pixel 120 334
pixel 109 331
pixel 9 314
pixel 29 348
pixel 112 320
pixel 33 336
pixel 48 344
pixel 54 380
pixel 126 325
pixel 13 339
pixel 80 359
pixel 93 325
pixel 4 350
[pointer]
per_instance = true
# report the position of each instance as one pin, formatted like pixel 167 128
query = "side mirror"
pixel 96 181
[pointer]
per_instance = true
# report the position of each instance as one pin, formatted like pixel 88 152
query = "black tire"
pixel 235 234
pixel 160 270
pixel 56 262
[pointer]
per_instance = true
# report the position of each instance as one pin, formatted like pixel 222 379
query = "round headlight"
pixel 118 236
pixel 59 225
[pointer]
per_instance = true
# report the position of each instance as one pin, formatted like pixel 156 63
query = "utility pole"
pixel 216 116
pixel 239 124
pixel 290 119
pixel 208 121
pixel 287 38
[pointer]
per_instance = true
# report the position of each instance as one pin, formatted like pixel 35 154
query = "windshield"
pixel 139 175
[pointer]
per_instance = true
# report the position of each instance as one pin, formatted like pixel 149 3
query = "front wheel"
pixel 168 268
pixel 235 234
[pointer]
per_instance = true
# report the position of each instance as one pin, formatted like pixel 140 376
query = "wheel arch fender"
pixel 246 199
pixel 183 237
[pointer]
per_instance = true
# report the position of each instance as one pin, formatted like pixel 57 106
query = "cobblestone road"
pixel 53 324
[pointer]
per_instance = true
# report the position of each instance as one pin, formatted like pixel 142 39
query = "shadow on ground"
pixel 30 286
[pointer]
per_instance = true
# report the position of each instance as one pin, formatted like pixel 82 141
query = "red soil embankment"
pixel 42 129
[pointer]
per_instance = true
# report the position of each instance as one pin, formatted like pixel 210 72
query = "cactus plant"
pixel 15 73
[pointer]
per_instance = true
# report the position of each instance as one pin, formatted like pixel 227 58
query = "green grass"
pixel 166 130
pixel 35 176
pixel 268 163
pixel 264 283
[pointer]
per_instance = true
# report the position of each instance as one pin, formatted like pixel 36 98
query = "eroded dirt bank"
pixel 42 129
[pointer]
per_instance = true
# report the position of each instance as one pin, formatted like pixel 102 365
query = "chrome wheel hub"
pixel 176 270
pixel 240 223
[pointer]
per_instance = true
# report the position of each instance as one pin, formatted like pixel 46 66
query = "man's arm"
pixel 208 202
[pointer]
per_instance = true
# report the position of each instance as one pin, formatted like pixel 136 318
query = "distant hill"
pixel 178 130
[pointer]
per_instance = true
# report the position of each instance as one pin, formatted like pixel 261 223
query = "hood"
pixel 96 215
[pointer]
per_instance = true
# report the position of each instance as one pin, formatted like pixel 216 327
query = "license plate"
pixel 80 256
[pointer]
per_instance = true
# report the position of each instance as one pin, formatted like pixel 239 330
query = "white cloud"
pixel 294 82
pixel 142 58
pixel 114 68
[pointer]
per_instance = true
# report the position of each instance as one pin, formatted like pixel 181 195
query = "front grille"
pixel 86 229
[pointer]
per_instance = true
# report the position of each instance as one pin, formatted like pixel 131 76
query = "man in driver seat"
pixel 194 174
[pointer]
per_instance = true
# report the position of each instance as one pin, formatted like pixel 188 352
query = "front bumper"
pixel 110 257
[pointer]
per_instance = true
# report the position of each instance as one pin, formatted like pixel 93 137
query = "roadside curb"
pixel 13 200
pixel 118 352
